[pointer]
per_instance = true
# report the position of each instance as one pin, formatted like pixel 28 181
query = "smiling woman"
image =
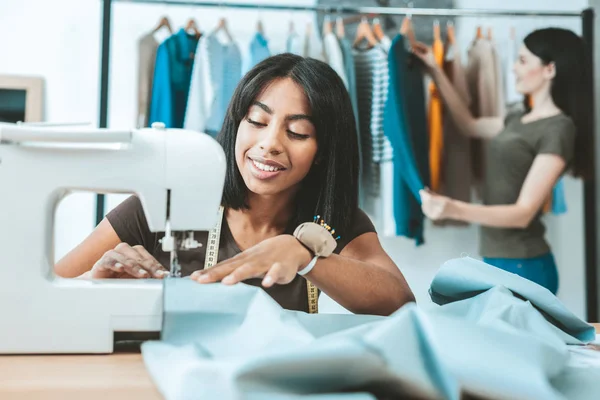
pixel 290 142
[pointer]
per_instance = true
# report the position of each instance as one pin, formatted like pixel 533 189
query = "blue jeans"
pixel 541 270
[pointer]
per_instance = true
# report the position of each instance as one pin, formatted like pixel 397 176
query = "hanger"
pixel 164 22
pixel 489 34
pixel 327 26
pixel 437 34
pixel 260 28
pixel 378 30
pixel 340 28
pixel 478 33
pixel 450 32
pixel 222 26
pixel 364 32
pixel 406 30
pixel 193 27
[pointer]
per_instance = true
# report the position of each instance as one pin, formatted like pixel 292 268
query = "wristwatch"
pixel 318 239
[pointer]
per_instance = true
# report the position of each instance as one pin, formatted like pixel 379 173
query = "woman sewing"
pixel 290 141
pixel 526 154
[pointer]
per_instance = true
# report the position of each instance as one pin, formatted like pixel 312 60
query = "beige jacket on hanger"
pixel 456 176
pixel 147 47
pixel 484 78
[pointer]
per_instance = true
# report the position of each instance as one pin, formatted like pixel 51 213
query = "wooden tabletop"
pixel 90 377
pixel 66 377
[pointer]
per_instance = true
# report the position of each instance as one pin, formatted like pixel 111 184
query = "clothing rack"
pixel 591 206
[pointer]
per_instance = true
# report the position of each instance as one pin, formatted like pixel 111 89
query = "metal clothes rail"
pixel 591 205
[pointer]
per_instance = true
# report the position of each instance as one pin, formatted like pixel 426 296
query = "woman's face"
pixel 276 142
pixel 532 75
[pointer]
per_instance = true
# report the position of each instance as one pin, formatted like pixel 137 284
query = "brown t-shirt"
pixel 509 157
pixel 129 222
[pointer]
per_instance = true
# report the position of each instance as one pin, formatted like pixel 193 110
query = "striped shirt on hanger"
pixel 372 83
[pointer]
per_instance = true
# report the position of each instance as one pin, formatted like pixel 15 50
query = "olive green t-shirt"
pixel 509 157
pixel 130 224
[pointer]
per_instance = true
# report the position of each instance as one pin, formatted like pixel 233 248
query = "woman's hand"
pixel 435 206
pixel 277 260
pixel 425 54
pixel 127 262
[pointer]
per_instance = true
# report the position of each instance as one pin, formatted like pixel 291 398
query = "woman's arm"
pixel 543 174
pixel 362 278
pixel 102 255
pixel 484 128
pixel 83 257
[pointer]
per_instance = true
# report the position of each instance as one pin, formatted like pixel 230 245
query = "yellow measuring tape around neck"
pixel 212 255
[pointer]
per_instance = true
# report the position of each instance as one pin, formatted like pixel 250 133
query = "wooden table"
pixel 90 377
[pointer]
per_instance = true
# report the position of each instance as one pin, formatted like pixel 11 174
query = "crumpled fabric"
pixel 492 339
pixel 464 278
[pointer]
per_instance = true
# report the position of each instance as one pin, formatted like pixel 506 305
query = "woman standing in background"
pixel 527 152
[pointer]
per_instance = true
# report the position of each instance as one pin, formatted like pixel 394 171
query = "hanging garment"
pixel 484 78
pixel 406 127
pixel 201 90
pixel 349 69
pixel 386 43
pixel 436 139
pixel 559 202
pixel 456 173
pixel 372 88
pixel 147 47
pixel 294 44
pixel 259 50
pixel 172 77
pixel 334 57
pixel 225 71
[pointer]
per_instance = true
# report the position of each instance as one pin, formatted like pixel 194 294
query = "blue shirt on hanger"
pixel 225 62
pixel 259 50
pixel 172 76
pixel 405 125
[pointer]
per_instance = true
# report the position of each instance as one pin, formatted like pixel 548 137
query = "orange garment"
pixel 436 135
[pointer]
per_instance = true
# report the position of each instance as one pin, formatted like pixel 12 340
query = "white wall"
pixel 60 40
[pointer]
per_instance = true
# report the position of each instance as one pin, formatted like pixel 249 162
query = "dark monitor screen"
pixel 12 105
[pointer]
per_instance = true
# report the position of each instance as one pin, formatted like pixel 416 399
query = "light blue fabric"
pixel 235 342
pixel 172 77
pixel 541 270
pixel 464 278
pixel 559 203
pixel 405 127
pixel 259 50
pixel 225 73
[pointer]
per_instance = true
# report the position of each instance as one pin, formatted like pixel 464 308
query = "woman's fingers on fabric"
pixel 215 274
pixel 133 262
pixel 278 274
pixel 150 263
pixel 243 272
pixel 111 264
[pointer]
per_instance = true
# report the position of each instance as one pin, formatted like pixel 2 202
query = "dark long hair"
pixel 571 89
pixel 331 187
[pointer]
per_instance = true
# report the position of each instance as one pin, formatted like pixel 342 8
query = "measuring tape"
pixel 212 254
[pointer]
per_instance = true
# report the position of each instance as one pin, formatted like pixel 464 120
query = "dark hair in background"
pixel 570 88
pixel 331 187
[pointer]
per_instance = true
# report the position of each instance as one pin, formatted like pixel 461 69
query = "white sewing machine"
pixel 42 313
